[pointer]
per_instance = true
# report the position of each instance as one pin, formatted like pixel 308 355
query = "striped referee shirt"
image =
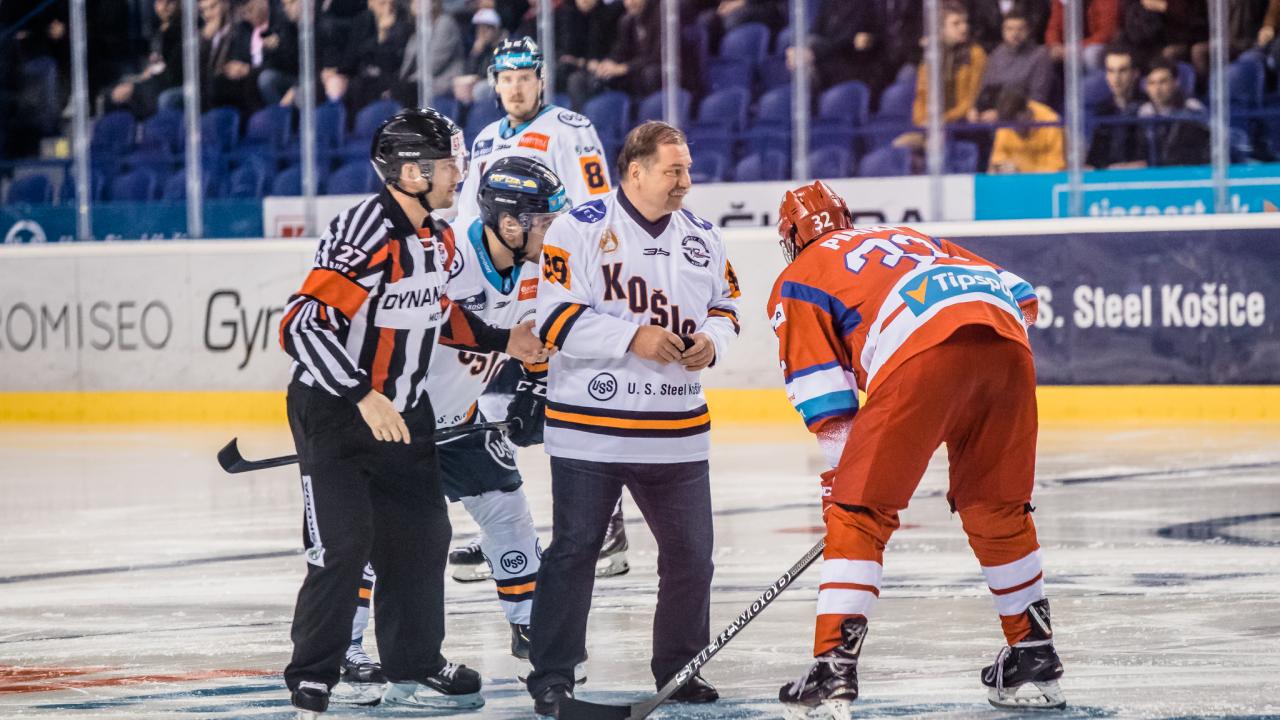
pixel 372 308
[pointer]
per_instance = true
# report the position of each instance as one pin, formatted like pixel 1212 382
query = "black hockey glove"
pixel 528 409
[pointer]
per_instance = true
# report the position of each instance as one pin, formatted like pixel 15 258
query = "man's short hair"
pixel 1163 64
pixel 1118 49
pixel 643 141
pixel 1017 14
pixel 951 7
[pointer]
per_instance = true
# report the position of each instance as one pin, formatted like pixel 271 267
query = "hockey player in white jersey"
pixel 494 275
pixel 567 143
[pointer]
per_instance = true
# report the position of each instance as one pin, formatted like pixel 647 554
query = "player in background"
pixel 639 296
pixel 567 143
pixel 936 337
pixel 494 275
pixel 361 332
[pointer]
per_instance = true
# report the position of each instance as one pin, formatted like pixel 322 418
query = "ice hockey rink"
pixel 139 580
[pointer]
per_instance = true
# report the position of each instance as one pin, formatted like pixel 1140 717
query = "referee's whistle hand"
pixel 383 418
pixel 657 344
pixel 525 346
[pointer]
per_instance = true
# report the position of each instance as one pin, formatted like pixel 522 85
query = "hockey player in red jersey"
pixel 936 337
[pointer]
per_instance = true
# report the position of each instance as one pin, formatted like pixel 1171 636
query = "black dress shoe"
pixel 547 702
pixel 696 690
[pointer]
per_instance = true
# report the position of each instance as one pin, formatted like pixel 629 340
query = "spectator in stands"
pixel 472 85
pixel 275 52
pixel 1176 30
pixel 1018 62
pixel 1026 148
pixel 585 33
pixel 225 72
pixel 844 45
pixel 334 19
pixel 446 57
pixel 635 65
pixel 1101 27
pixel 159 85
pixel 1118 141
pixel 963 63
pixel 901 24
pixel 1247 27
pixel 1184 138
pixel 375 53
pixel 986 19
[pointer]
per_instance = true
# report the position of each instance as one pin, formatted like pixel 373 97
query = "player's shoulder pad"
pixel 589 213
pixel 573 119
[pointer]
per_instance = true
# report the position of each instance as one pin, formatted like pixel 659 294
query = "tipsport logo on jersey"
pixel 939 284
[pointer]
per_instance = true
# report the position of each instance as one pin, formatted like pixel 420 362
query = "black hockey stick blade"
pixel 233 462
pixel 575 709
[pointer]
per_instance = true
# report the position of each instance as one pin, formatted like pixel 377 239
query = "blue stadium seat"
pixel 1096 91
pixel 783 40
pixel 113 133
pixel 651 108
pixel 886 162
pixel 725 73
pixel 724 108
pixel 610 112
pixel 331 125
pixel 962 157
pixel 249 181
pixel 848 101
pixel 39 85
pixel 827 133
pixel 175 186
pixel 709 166
pixel 774 71
pixel 30 190
pixel 97 181
pixel 710 138
pixel 831 162
pixel 372 115
pixel 896 102
pixel 1245 79
pixel 448 106
pixel 767 165
pixel 135 186
pixel 479 116
pixel 269 128
pixel 748 41
pixel 353 178
pixel 775 105
pixel 287 181
pixel 163 131
pixel 219 130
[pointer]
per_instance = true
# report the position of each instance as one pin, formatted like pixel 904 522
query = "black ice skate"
pixel 520 641
pixel 453 686
pixel 362 679
pixel 311 699
pixel 613 554
pixel 830 686
pixel 469 563
pixel 1030 666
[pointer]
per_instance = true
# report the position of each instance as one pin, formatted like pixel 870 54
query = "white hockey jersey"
pixel 605 272
pixel 561 139
pixel 458 378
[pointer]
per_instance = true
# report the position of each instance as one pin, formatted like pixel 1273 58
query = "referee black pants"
pixel 675 499
pixel 367 501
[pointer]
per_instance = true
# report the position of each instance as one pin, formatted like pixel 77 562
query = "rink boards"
pixel 1140 318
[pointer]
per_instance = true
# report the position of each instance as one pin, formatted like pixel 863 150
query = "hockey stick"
pixel 232 461
pixel 574 709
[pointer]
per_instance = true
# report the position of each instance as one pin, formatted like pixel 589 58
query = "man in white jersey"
pixel 567 143
pixel 639 297
pixel 494 275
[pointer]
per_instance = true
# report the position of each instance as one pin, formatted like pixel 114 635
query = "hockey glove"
pixel 528 409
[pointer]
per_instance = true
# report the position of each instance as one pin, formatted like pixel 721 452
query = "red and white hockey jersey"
pixel 858 303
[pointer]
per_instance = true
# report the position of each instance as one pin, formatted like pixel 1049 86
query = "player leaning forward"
pixel 360 332
pixel 623 279
pixel 936 337
pixel 567 143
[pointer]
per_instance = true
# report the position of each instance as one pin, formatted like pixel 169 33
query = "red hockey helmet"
pixel 807 213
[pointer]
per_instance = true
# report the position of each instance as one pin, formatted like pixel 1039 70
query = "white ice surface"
pixel 171 625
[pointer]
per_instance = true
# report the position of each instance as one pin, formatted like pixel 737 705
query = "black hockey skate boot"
pixel 830 686
pixel 520 641
pixel 1030 665
pixel 454 686
pixel 362 679
pixel 469 563
pixel 547 702
pixel 613 554
pixel 311 699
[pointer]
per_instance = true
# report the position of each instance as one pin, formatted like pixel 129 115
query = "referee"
pixel 360 332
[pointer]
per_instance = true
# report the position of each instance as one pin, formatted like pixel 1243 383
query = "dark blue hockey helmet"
pixel 524 189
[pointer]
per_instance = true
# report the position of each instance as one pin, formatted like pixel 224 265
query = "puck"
pixel 688 341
